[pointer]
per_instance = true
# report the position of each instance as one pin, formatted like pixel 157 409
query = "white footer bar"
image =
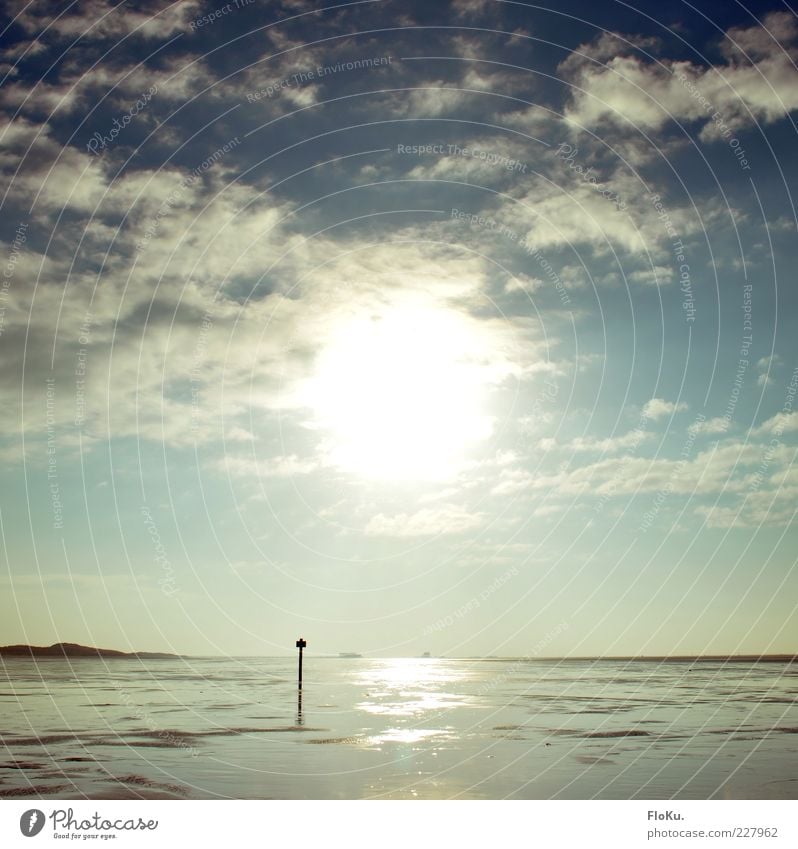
pixel 401 824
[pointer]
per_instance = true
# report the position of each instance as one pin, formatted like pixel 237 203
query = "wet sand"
pixel 404 728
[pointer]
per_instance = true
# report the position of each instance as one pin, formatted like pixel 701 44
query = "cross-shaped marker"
pixel 300 644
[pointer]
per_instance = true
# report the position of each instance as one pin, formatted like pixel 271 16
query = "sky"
pixel 464 328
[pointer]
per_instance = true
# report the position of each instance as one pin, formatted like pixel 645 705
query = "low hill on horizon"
pixel 72 650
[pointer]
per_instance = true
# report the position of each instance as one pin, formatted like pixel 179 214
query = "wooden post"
pixel 300 644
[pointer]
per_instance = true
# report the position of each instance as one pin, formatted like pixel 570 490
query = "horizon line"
pixel 745 656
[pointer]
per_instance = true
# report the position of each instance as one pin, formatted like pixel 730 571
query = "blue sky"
pixel 464 328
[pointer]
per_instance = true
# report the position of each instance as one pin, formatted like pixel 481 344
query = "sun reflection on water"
pixel 411 687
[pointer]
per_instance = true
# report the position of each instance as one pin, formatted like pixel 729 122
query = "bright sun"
pixel 401 394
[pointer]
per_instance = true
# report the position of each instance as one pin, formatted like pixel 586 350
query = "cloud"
pixel 471 8
pixel 777 425
pixel 768 508
pixel 657 275
pixel 769 499
pixel 445 520
pixel 618 86
pixel 609 445
pixel 213 304
pixel 746 44
pixel 718 424
pixel 610 211
pixel 523 283
pixel 285 466
pixel 764 380
pixel 575 214
pixel 122 90
pixel 97 19
pixel 766 365
pixel 729 468
pixel 658 408
pixel 512 480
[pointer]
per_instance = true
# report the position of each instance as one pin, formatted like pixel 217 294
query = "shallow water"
pixel 397 728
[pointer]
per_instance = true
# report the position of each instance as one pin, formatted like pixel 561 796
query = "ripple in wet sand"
pixel 329 740
pixel 149 784
pixel 589 760
pixel 39 790
pixel 21 765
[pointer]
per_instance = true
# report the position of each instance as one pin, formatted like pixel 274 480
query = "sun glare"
pixel 401 394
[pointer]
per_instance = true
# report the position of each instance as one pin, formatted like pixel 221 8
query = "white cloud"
pixel 523 283
pixel 710 472
pixel 766 363
pixel 512 480
pixel 777 425
pixel 763 380
pixel 284 466
pixel 608 445
pixel 567 211
pixel 658 408
pixel 179 80
pixel 760 478
pixel 657 275
pixel 620 87
pixel 768 508
pixel 96 19
pixel 448 519
pixel 719 424
pixel 743 44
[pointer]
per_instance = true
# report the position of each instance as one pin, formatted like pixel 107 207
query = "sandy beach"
pixel 398 728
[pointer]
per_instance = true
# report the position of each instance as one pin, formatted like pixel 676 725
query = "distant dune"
pixel 75 650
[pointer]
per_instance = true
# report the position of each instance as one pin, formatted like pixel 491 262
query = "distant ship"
pixel 426 654
pixel 349 654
